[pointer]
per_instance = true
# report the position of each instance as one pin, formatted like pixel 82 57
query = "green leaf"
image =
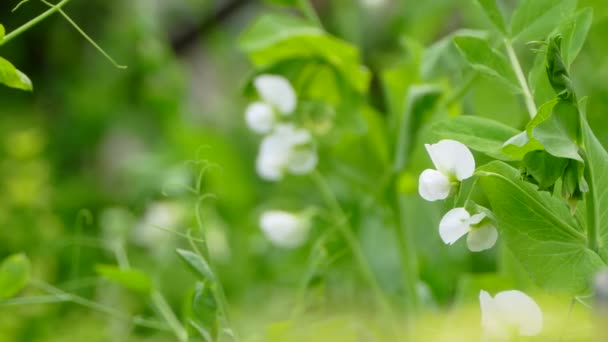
pixel 519 145
pixel 535 19
pixel 204 311
pixel 597 162
pixel 12 77
pixel 15 273
pixel 196 264
pixel 282 2
pixel 276 38
pixel 131 279
pixel 494 14
pixel 420 101
pixel 560 132
pixel 543 169
pixel 2 32
pixel 574 33
pixel 486 60
pixel 539 230
pixel 480 134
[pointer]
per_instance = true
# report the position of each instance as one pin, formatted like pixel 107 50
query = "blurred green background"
pixel 96 156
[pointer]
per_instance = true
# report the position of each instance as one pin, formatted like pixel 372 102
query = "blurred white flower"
pixel 453 161
pixel 276 94
pixel 284 229
pixel 276 91
pixel 509 313
pixel 151 229
pixel 458 222
pixel 286 149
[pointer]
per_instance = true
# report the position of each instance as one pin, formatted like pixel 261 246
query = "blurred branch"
pixel 190 35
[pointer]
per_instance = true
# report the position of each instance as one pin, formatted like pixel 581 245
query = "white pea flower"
pixel 276 94
pixel 151 229
pixel 458 222
pixel 453 161
pixel 509 313
pixel 286 149
pixel 284 229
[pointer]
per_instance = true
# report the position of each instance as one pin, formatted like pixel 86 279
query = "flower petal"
pixel 302 160
pixel 482 238
pixel 491 320
pixel 520 311
pixel 277 91
pixel 433 185
pixel 272 158
pixel 454 225
pixel 259 117
pixel 284 229
pixel 452 158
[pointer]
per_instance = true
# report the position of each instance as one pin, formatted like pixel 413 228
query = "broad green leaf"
pixel 275 38
pixel 540 231
pixel 131 279
pixel 535 19
pixel 494 14
pixel 197 264
pixel 480 134
pixel 543 169
pixel 574 33
pixel 2 32
pixel 560 132
pixel 12 77
pixel 519 145
pixel 15 273
pixel 597 162
pixel 420 101
pixel 486 60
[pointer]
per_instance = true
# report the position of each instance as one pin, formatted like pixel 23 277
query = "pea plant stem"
pixel 407 252
pixel 18 31
pixel 342 224
pixel 521 78
pixel 165 311
pixel 592 207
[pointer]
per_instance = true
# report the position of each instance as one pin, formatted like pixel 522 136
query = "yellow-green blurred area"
pixel 101 166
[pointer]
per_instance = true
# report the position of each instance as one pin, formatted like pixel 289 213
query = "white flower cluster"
pixel 285 147
pixel 454 163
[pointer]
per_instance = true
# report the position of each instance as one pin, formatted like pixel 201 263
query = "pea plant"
pixel 540 195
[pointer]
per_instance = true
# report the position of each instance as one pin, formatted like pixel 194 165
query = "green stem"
pixel 15 33
pixel 345 229
pixel 593 210
pixel 528 98
pixel 306 7
pixel 407 251
pixel 86 36
pixel 165 310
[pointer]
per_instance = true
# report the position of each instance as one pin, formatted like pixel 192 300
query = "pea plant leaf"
pixel 480 134
pixel 11 77
pixel 131 279
pixel 535 19
pixel 540 231
pixel 574 32
pixel 15 273
pixel 494 13
pixel 420 101
pixel 487 60
pixel 2 32
pixel 276 38
pixel 597 163
pixel 196 264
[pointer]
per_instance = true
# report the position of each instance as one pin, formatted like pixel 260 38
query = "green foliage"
pixel 11 77
pixel 540 231
pixel 15 274
pixel 574 33
pixel 196 264
pixel 480 134
pixel 275 38
pixel 535 19
pixel 129 278
pixel 487 60
pixel 494 13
